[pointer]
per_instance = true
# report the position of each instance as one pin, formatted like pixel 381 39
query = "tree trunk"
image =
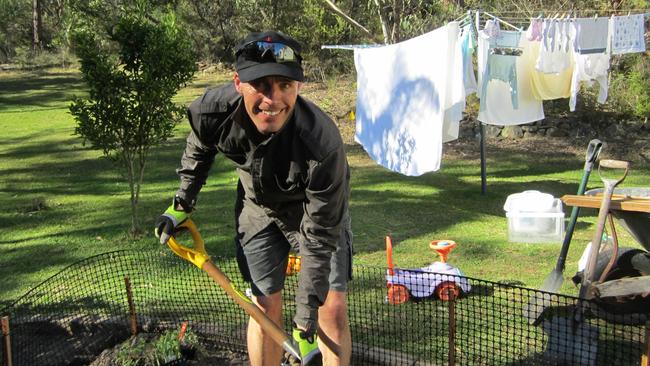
pixel 36 25
pixel 384 21
pixel 398 8
pixel 128 158
pixel 348 19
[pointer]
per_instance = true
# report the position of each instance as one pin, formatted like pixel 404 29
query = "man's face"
pixel 268 101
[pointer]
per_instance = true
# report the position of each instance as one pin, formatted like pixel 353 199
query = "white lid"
pixel 532 201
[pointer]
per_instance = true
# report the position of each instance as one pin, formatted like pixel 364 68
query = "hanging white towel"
pixel 401 98
pixel 627 34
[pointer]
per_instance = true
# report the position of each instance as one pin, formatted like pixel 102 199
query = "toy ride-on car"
pixel 439 278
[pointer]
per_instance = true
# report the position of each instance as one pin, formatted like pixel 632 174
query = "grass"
pixel 62 202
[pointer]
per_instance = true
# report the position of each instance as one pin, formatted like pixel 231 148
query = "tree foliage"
pixel 132 72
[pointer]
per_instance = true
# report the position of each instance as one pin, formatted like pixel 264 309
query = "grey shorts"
pixel 267 256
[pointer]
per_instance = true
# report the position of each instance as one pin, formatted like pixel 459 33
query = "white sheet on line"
pixel 401 100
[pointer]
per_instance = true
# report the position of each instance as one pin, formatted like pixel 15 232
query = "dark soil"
pixel 201 357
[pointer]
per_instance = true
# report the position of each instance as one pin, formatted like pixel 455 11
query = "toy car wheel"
pixel 446 290
pixel 398 294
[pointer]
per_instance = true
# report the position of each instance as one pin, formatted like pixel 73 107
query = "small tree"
pixel 132 75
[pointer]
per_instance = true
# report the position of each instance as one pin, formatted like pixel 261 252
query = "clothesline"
pixel 592 11
pixel 501 20
pixel 517 71
pixel 527 19
pixel 349 46
pixel 468 18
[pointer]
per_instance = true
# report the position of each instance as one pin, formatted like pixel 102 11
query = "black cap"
pixel 250 68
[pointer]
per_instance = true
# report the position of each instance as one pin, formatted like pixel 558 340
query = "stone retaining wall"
pixel 561 127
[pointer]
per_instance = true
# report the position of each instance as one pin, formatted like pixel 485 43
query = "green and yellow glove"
pixel 167 223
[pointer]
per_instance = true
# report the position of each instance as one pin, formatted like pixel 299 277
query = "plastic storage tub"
pixel 534 217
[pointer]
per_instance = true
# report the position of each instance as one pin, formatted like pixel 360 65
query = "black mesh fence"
pixel 72 317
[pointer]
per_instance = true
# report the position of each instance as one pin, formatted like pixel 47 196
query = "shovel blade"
pixel 553 282
pixel 536 305
pixel 570 343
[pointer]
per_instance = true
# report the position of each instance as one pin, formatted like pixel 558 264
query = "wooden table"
pixel 619 202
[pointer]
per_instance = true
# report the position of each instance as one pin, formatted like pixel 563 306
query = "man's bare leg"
pixel 262 349
pixel 335 341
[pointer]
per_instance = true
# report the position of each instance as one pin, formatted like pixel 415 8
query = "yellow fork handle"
pixel 200 258
pixel 197 255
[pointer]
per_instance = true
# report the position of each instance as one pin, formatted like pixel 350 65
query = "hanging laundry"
pixel 496 108
pixel 547 86
pixel 491 29
pixel 468 46
pixel 461 82
pixel 534 32
pixel 591 35
pixel 401 96
pixel 501 64
pixel 589 68
pixel 553 54
pixel 627 34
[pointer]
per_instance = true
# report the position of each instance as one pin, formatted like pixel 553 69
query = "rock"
pixel 556 132
pixel 614 131
pixel 492 131
pixel 466 133
pixel 512 132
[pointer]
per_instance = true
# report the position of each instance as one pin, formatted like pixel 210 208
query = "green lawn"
pixel 63 202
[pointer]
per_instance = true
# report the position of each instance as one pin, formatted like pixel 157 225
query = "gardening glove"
pixel 307 341
pixel 176 214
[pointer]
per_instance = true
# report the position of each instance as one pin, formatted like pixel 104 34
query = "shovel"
pixel 586 288
pixel 200 258
pixel 539 302
pixel 572 341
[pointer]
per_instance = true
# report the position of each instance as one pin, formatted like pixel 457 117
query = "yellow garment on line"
pixel 549 86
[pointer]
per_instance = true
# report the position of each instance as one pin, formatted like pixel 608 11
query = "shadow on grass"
pixel 49 235
pixel 27 91
pixel 385 202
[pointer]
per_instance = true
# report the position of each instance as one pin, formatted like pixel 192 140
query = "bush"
pixel 132 76
pixel 629 92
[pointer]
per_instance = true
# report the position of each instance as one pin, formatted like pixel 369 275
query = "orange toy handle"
pixel 389 254
pixel 443 247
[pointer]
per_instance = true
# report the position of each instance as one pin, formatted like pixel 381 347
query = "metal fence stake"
pixel 452 326
pixel 129 297
pixel 645 358
pixel 6 342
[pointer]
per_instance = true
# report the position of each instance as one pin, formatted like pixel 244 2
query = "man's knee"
pixel 335 308
pixel 270 305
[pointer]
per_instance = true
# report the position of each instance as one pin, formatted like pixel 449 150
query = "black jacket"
pixel 298 178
